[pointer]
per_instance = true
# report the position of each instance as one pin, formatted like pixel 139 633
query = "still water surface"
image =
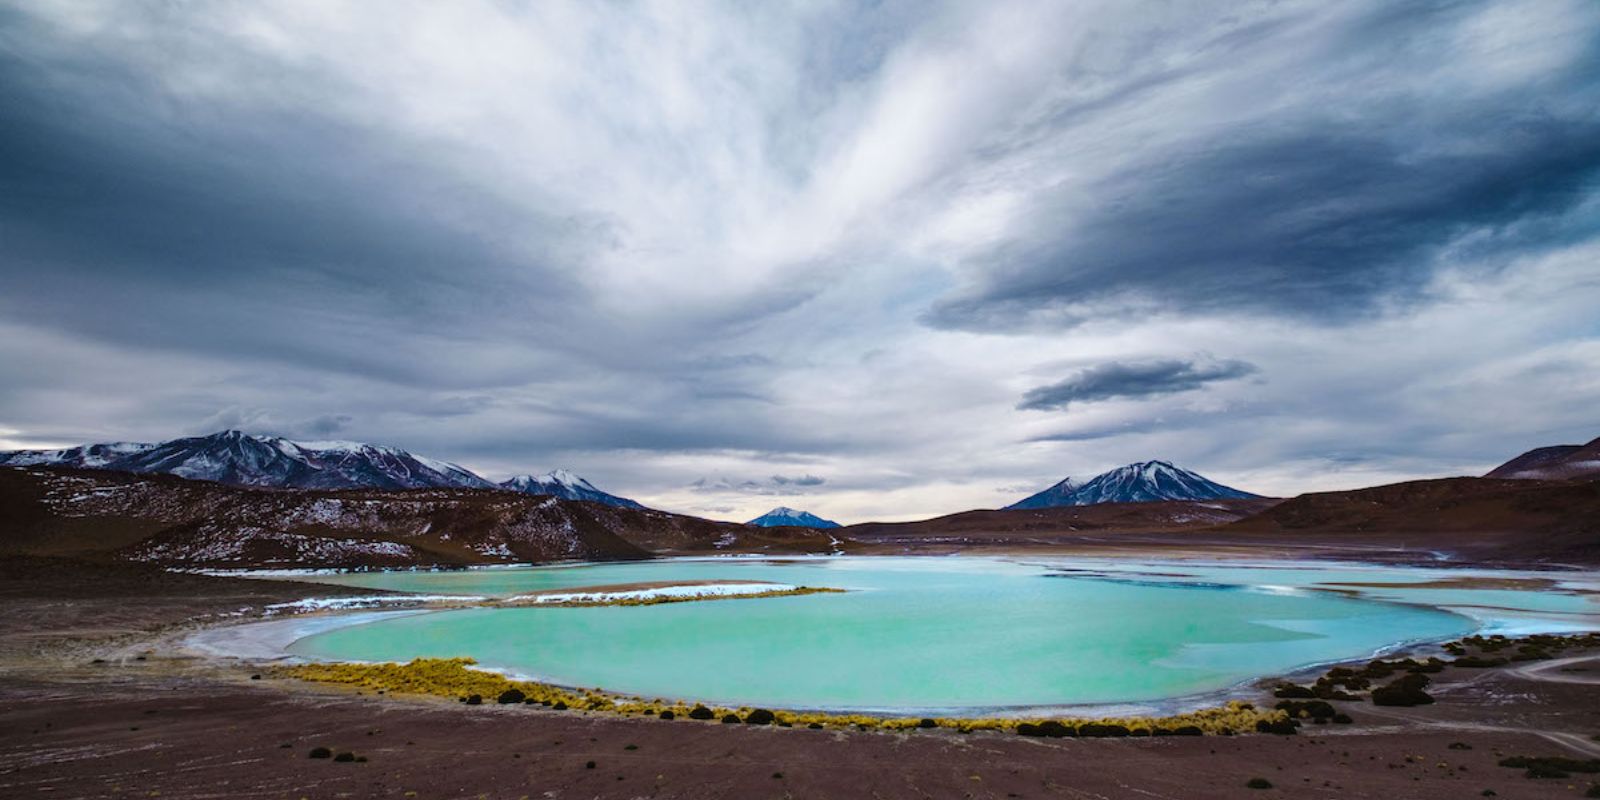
pixel 936 633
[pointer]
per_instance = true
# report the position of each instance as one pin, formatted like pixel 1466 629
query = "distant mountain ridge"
pixel 1141 482
pixel 1556 463
pixel 785 516
pixel 243 459
pixel 564 484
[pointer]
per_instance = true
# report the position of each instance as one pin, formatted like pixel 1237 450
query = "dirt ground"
pixel 147 722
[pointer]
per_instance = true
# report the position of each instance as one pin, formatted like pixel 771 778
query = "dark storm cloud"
pixel 1131 379
pixel 1346 195
pixel 246 232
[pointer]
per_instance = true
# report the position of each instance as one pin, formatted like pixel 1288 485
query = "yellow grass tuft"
pixel 455 677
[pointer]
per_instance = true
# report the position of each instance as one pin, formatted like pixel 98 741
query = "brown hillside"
pixel 172 521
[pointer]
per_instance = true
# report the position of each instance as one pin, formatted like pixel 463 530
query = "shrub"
pixel 927 723
pixel 1028 729
pixel 1100 730
pixel 1188 730
pixel 1316 709
pixel 559 705
pixel 1289 690
pixel 760 716
pixel 474 699
pixel 730 719
pixel 1055 730
pixel 1282 727
pixel 345 757
pixel 668 714
pixel 1258 783
pixel 321 752
pixel 816 726
pixel 1552 763
pixel 700 712
pixel 1400 694
pixel 510 696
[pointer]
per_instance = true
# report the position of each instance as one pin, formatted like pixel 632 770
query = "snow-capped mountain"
pixel 1144 482
pixel 567 486
pixel 249 460
pixel 783 515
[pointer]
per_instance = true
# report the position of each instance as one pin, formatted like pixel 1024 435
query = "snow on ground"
pixel 696 591
pixel 368 601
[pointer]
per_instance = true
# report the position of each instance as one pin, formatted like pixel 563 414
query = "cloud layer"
pixel 653 242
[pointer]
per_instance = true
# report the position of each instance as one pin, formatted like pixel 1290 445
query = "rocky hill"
pixel 175 522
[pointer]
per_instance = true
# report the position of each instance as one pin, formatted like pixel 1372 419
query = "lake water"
pixel 946 634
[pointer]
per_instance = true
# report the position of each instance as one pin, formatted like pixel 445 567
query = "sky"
pixel 878 261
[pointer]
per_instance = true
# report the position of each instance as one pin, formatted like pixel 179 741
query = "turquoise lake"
pixel 942 634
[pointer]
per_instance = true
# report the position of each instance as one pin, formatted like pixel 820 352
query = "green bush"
pixel 510 696
pixel 700 712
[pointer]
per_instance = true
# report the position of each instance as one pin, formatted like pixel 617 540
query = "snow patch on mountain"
pixel 567 486
pixel 243 459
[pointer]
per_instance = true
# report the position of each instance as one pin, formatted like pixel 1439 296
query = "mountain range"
pixel 783 516
pixel 76 503
pixel 1142 482
pixel 242 459
pixel 162 519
